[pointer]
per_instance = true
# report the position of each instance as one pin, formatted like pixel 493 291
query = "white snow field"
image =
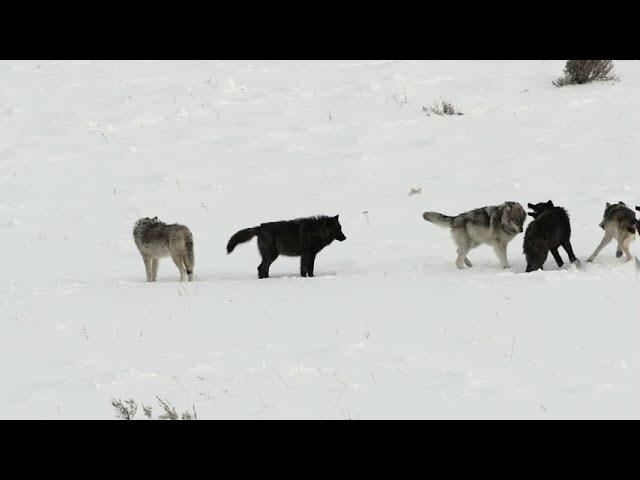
pixel 389 328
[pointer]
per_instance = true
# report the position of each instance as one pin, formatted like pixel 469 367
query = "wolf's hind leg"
pixel 462 254
pixel 625 247
pixel 567 248
pixel 177 259
pixel 154 269
pixel 605 241
pixel 310 264
pixel 147 267
pixel 467 262
pixel 556 255
pixel 268 255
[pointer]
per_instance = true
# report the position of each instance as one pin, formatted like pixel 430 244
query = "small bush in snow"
pixel 442 108
pixel 585 71
pixel 126 410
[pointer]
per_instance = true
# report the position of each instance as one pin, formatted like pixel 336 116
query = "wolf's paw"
pixel 618 253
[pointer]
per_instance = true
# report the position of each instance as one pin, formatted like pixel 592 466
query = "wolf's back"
pixel 439 219
pixel 241 237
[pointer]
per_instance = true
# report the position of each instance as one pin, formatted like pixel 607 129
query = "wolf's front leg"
pixel 154 269
pixel 501 252
pixel 605 241
pixel 147 267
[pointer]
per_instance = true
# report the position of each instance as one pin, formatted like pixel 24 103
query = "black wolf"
pixel 302 237
pixel 550 230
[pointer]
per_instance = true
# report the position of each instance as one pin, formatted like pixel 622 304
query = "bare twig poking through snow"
pixel 125 410
pixel 415 191
pixel 440 109
pixel 513 346
pixel 399 99
pixel 365 213
pixel 585 71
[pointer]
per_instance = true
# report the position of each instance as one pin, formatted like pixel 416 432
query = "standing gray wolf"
pixel 549 230
pixel 494 225
pixel 618 222
pixel 303 237
pixel 156 239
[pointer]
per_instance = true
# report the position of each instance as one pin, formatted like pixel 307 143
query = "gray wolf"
pixel 549 230
pixel 156 239
pixel 494 225
pixel 302 237
pixel 619 223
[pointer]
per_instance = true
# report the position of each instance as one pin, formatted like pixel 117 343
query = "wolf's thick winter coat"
pixel 618 222
pixel 550 230
pixel 303 237
pixel 494 225
pixel 156 239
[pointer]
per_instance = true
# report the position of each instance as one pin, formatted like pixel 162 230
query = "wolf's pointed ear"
pixel 550 203
pixel 336 217
pixel 155 219
pixel 608 204
pixel 506 214
pixel 637 208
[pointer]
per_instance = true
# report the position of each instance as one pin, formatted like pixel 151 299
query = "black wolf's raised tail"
pixel 438 219
pixel 241 237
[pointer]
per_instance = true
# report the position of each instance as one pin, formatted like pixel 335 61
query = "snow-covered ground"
pixel 389 328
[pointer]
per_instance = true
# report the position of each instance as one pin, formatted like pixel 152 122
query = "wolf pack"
pixel 495 226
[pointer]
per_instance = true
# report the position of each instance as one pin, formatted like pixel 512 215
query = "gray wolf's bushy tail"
pixel 241 237
pixel 189 260
pixel 438 219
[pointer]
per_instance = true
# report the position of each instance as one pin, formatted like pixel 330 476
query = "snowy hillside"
pixel 389 328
